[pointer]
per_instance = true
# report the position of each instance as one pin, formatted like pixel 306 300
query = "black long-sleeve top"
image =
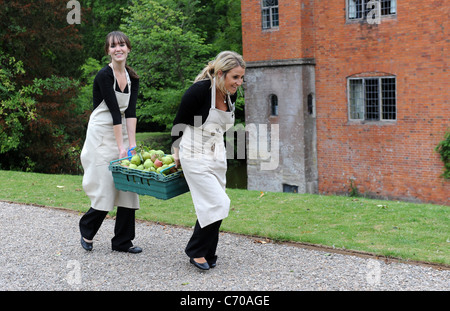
pixel 103 90
pixel 196 101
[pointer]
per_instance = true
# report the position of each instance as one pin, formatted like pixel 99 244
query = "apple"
pixel 146 155
pixel 153 157
pixel 136 159
pixel 167 160
pixel 160 153
pixel 157 163
pixel 148 163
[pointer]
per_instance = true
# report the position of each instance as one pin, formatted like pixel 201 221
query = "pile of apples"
pixel 151 161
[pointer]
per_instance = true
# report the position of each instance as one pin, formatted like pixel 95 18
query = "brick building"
pixel 361 94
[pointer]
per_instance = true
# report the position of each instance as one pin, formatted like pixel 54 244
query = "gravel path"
pixel 41 251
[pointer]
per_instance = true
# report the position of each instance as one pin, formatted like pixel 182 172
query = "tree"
pixel 100 17
pixel 36 32
pixel 168 52
pixel 53 140
pixel 16 106
pixel 46 75
pixel 40 128
pixel 39 123
pixel 221 20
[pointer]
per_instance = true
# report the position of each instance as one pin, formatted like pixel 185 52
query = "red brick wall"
pixel 272 44
pixel 392 160
pixel 387 160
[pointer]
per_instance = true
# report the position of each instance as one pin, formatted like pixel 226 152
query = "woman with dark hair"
pixel 111 134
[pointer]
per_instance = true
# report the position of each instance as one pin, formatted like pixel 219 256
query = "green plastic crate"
pixel 148 183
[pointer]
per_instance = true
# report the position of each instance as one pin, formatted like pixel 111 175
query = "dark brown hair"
pixel 120 37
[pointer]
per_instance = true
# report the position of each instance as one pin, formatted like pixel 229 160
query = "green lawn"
pixel 389 228
pixel 155 140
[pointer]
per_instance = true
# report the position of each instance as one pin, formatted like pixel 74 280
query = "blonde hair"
pixel 224 61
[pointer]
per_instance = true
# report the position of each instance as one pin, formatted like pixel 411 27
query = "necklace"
pixel 224 97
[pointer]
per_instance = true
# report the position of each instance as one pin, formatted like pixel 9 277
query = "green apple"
pixel 146 155
pixel 148 163
pixel 136 159
pixel 167 160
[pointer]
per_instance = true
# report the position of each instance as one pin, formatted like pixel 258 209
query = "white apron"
pixel 203 158
pixel 100 147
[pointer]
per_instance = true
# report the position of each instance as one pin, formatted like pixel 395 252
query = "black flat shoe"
pixel 202 266
pixel 86 245
pixel 133 250
pixel 212 262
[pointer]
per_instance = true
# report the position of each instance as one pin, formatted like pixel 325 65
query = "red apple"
pixel 158 163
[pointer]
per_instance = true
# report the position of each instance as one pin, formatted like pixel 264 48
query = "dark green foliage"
pixel 443 148
pixel 47 67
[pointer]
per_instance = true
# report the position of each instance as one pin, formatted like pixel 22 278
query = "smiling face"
pixel 118 50
pixel 117 46
pixel 233 79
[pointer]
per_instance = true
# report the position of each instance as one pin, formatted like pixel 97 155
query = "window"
pixel 290 188
pixel 273 105
pixel 372 99
pixel 360 9
pixel 310 104
pixel 269 14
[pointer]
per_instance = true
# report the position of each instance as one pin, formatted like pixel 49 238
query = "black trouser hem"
pixel 203 242
pixel 124 228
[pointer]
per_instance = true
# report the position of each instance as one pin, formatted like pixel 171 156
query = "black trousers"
pixel 124 229
pixel 203 242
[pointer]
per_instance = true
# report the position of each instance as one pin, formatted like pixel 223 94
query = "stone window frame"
pixel 270 17
pixel 384 95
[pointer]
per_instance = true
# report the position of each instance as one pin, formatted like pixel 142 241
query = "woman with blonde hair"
pixel 205 113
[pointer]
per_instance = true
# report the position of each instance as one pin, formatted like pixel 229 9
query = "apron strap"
pixel 213 93
pixel 115 79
